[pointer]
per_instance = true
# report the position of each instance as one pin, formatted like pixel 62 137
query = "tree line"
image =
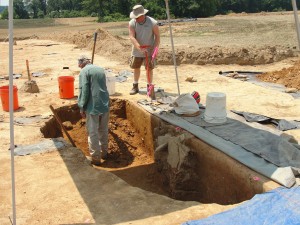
pixel 117 10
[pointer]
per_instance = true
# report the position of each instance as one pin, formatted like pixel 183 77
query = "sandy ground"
pixel 59 187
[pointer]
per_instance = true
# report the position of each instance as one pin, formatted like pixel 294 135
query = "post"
pixel 11 108
pixel 172 43
pixel 296 20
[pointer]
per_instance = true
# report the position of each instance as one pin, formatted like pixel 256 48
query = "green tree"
pixel 156 9
pixel 19 10
pixel 53 5
pixel 101 7
pixel 71 5
pixel 34 7
pixel 93 6
pixel 4 14
pixel 43 6
pixel 2 8
pixel 274 5
pixel 194 8
pixel 237 6
pixel 253 5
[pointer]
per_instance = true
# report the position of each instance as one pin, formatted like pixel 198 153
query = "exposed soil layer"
pixel 127 152
pixel 118 48
pixel 173 169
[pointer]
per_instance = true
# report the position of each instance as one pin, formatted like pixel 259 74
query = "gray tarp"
pixel 273 148
pixel 46 145
pixel 281 124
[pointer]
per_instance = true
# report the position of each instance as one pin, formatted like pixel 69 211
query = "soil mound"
pixel 290 77
pixel 221 55
pixel 117 48
pixel 108 45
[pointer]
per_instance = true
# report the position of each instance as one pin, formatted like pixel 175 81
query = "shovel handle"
pixel 28 72
pixel 95 39
pixel 62 126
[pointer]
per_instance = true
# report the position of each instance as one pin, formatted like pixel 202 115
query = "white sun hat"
pixel 137 11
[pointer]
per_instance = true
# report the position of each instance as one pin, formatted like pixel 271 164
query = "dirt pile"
pixel 243 56
pixel 106 44
pixel 118 48
pixel 290 77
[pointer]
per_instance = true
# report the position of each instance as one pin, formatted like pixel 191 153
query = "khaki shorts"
pixel 136 62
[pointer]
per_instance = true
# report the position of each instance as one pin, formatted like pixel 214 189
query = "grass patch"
pixel 29 23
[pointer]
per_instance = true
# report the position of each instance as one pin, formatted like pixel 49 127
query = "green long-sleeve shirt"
pixel 93 95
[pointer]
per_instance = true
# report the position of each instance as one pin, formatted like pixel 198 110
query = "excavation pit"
pixel 156 156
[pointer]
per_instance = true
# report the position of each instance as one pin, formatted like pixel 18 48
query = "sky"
pixel 4 2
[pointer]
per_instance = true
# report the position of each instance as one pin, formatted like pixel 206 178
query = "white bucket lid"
pixel 215 111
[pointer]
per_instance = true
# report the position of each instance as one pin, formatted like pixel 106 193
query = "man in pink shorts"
pixel 145 38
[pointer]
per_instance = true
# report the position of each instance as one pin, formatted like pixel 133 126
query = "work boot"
pixel 93 160
pixel 135 89
pixel 104 155
pixel 152 92
pixel 96 162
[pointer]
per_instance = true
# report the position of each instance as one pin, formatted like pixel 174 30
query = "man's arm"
pixel 133 39
pixel 84 92
pixel 156 35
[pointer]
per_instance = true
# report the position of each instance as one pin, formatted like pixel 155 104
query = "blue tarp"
pixel 280 206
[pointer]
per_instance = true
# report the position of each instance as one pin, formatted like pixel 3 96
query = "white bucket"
pixel 111 85
pixel 215 111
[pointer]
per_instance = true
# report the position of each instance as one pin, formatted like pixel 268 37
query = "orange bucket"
pixel 66 86
pixel 4 93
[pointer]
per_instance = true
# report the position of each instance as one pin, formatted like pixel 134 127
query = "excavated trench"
pixel 155 156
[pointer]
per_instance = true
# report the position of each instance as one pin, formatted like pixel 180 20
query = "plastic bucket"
pixel 66 86
pixel 215 110
pixel 4 93
pixel 111 85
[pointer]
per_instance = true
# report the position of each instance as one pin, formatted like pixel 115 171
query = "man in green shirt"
pixel 93 101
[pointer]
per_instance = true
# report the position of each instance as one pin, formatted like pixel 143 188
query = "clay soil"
pixel 94 195
pixel 289 77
